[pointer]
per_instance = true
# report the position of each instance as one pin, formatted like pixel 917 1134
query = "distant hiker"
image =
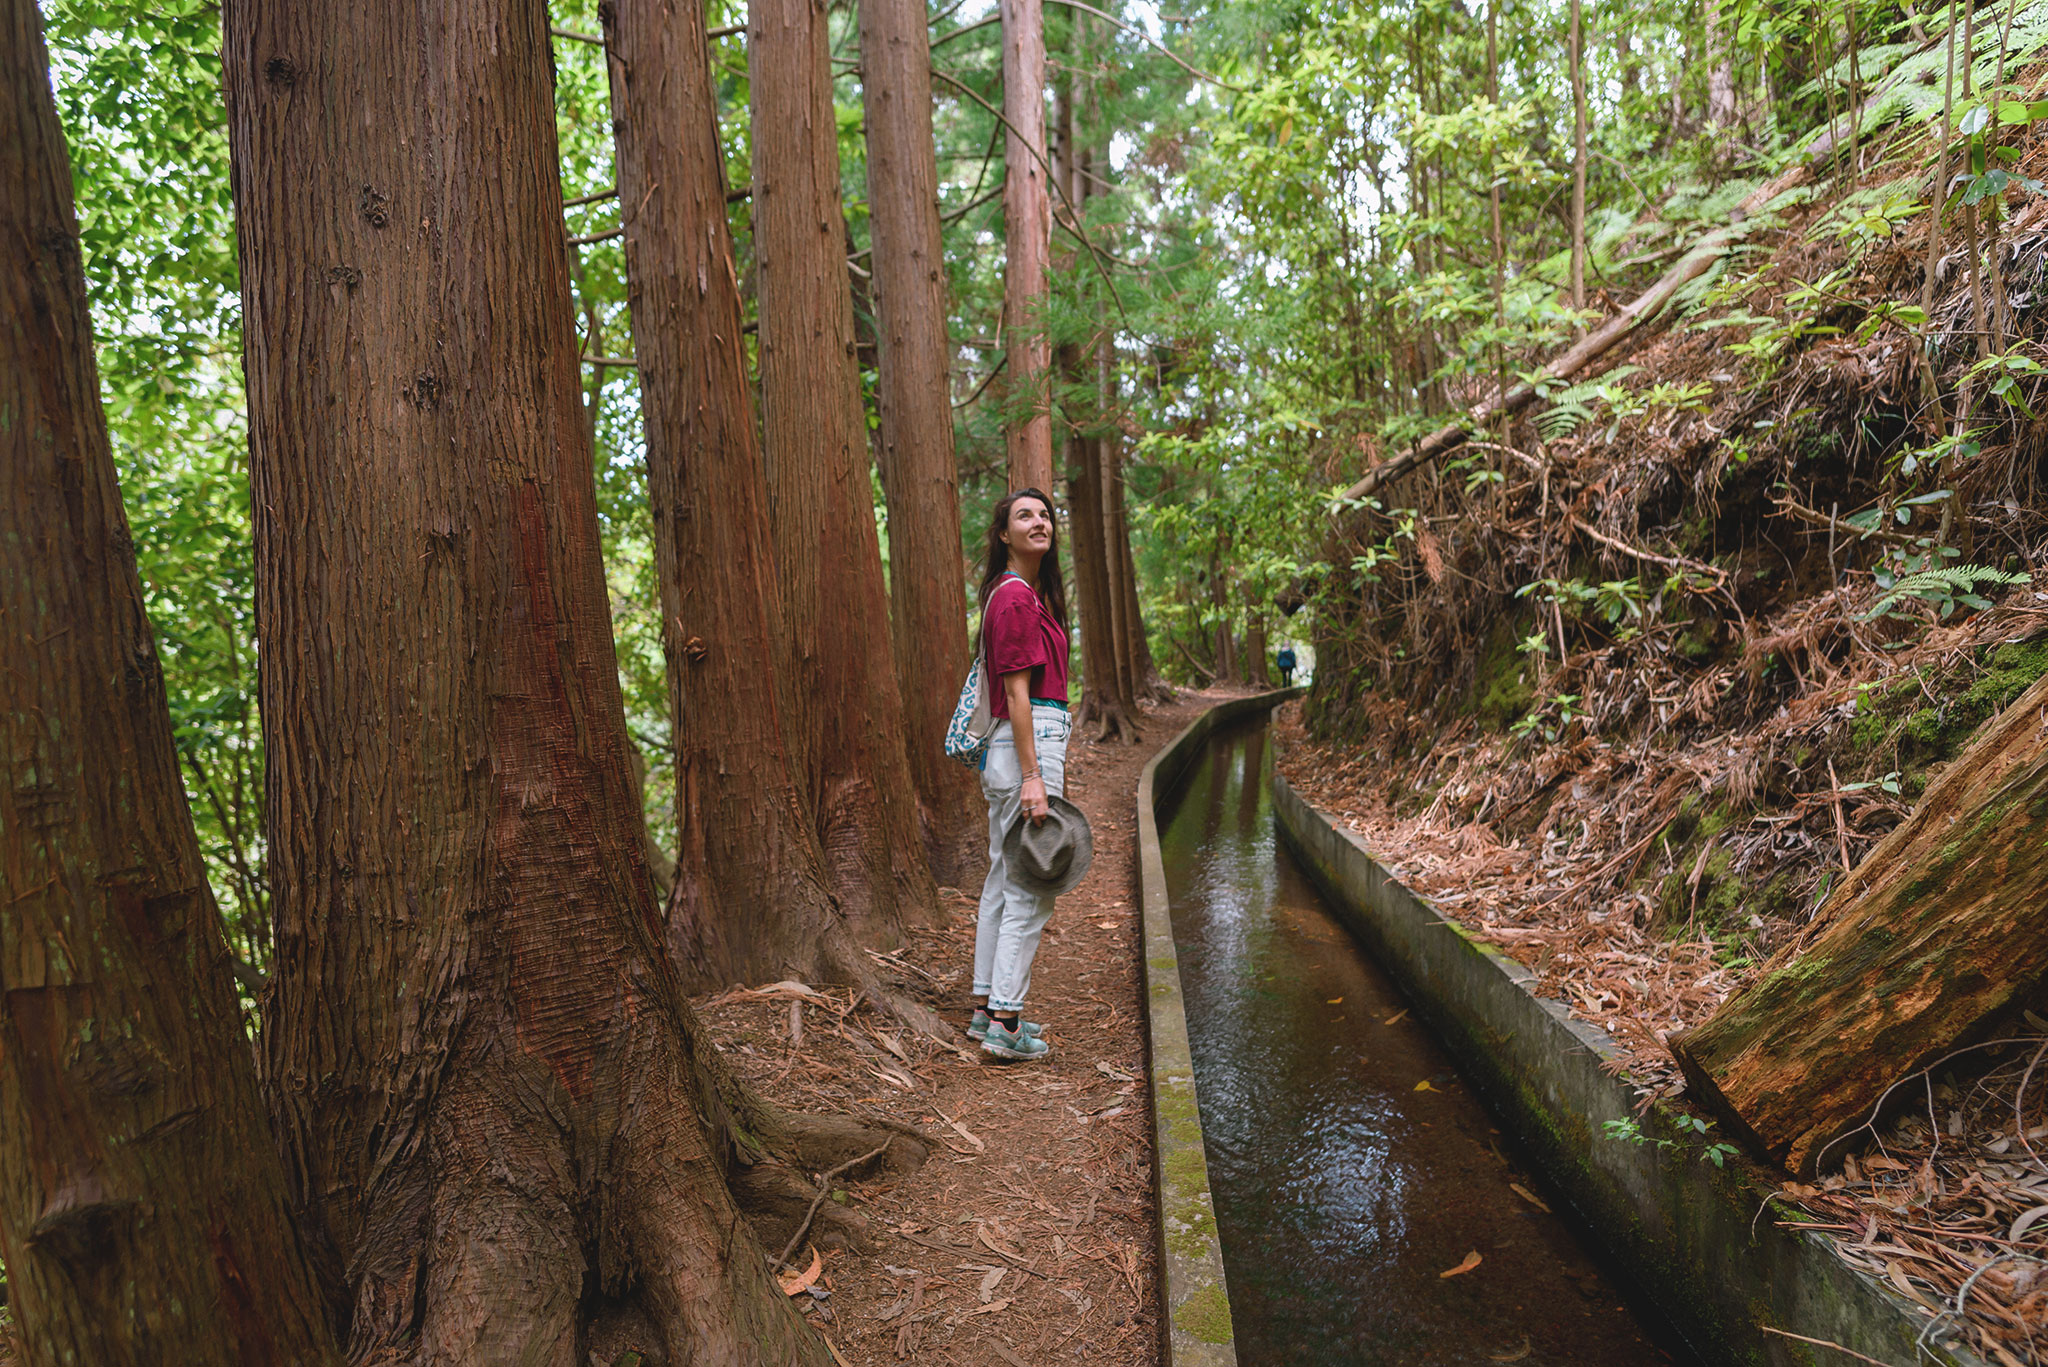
pixel 1037 840
pixel 1284 661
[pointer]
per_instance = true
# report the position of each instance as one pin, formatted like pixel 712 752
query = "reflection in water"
pixel 1351 1166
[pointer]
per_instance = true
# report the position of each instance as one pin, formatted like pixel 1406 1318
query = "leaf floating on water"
pixel 1465 1264
pixel 1333 1001
pixel 1398 1016
pixel 796 1283
pixel 1423 1086
pixel 1533 1199
pixel 1514 1356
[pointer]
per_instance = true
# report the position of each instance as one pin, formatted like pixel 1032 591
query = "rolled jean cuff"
pixel 1005 1007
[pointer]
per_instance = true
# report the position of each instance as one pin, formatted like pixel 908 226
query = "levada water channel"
pixel 1354 1173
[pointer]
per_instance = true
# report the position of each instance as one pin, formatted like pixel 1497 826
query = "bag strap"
pixel 987 644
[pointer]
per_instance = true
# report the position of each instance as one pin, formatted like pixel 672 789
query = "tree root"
pixel 781 1204
pixel 824 1190
pixel 1114 718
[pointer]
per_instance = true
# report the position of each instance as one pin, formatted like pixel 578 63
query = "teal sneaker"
pixel 1022 1046
pixel 978 1027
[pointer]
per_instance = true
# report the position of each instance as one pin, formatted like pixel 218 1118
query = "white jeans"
pixel 1012 919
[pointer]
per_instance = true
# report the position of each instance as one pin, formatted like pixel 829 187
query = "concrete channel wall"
pixel 1699 1242
pixel 1195 1328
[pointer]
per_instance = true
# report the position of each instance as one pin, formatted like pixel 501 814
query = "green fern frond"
pixel 1945 586
pixel 1570 407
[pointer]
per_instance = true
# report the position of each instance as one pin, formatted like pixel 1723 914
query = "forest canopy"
pixel 1291 244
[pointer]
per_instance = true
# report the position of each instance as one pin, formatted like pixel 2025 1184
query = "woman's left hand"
pixel 1032 795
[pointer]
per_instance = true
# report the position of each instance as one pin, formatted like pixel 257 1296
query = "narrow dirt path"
pixel 1028 1238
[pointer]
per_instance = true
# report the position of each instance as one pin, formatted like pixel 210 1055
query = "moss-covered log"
pixel 1934 935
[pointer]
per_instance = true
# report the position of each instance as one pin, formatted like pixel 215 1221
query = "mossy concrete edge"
pixel 1700 1242
pixel 1195 1328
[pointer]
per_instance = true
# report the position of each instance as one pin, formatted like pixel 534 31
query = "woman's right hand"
pixel 1033 797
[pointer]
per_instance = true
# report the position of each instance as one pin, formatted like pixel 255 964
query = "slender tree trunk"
pixel 849 711
pixel 1090 586
pixel 1500 247
pixel 1979 323
pixel 1138 677
pixel 750 901
pixel 1578 58
pixel 144 1216
pixel 1076 420
pixel 1219 604
pixel 1137 647
pixel 1116 559
pixel 1027 238
pixel 499 1111
pixel 927 582
pixel 1720 69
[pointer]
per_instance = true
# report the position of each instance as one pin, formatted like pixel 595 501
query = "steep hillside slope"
pixel 1629 683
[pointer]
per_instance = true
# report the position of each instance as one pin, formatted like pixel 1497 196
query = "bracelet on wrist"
pixel 1028 777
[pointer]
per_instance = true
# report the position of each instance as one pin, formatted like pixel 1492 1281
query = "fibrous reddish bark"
pixel 750 900
pixel 499 1111
pixel 1133 645
pixel 927 582
pixel 847 708
pixel 143 1209
pixel 1108 699
pixel 1934 935
pixel 1027 244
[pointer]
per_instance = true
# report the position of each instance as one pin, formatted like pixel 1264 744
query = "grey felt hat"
pixel 1049 858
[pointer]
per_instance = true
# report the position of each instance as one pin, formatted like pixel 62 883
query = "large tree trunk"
pixel 927 582
pixel 1027 246
pixel 848 709
pixel 143 1209
pixel 1085 544
pixel 750 900
pixel 1108 700
pixel 499 1111
pixel 1935 935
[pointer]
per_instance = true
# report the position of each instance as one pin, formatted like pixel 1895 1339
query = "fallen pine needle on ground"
pixel 1027 1236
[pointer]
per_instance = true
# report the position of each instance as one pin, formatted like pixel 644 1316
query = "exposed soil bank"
pixel 1698 1240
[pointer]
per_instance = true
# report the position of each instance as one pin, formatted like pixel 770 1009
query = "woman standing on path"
pixel 1024 631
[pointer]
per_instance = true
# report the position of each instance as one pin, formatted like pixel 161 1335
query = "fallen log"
pixel 1934 937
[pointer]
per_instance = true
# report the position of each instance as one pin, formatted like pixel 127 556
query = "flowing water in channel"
pixel 1351 1165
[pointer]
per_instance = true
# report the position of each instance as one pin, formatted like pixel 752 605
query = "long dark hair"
pixel 1051 586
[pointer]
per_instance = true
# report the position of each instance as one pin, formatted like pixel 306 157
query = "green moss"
pixel 1700 643
pixel 1184 1166
pixel 1501 691
pixel 2012 670
pixel 1205 1315
pixel 1190 1238
pixel 1930 722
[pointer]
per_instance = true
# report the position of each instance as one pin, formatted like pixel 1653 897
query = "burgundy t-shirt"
pixel 1021 634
